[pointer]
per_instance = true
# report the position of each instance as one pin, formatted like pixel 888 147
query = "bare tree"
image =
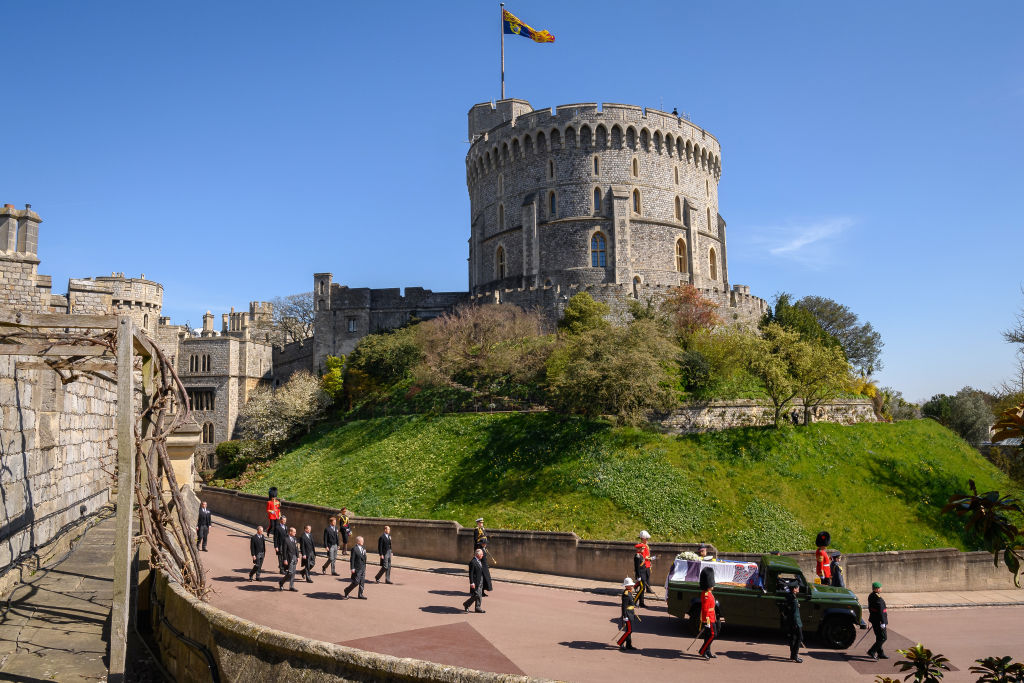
pixel 292 319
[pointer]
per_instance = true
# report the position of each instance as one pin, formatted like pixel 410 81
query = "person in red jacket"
pixel 642 567
pixel 823 563
pixel 273 510
pixel 708 618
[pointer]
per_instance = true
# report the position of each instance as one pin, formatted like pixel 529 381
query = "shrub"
pixel 270 417
pixel 582 313
pixel 386 358
pixel 227 451
pixel 689 312
pixel 332 381
pixel 696 371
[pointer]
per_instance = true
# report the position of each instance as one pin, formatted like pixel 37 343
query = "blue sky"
pixel 872 152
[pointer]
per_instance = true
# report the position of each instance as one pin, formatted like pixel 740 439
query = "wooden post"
pixel 121 608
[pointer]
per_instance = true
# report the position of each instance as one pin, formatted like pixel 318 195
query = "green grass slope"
pixel 874 486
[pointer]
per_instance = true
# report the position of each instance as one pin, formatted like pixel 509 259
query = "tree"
pixel 861 344
pixel 292 319
pixel 689 312
pixel 970 415
pixel 772 358
pixel 988 514
pixel 894 407
pixel 333 380
pixel 270 417
pixel 938 407
pixel 387 357
pixel 796 319
pixel 820 373
pixel 582 313
pixel 626 372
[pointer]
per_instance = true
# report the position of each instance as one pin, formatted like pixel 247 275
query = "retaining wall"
pixel 716 415
pixel 193 636
pixel 566 554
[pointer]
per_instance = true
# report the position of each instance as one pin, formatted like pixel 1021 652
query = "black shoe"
pixel 280 586
pixel 294 590
pixel 882 655
pixel 362 597
pixel 376 580
pixel 309 580
pixel 335 574
pixel 389 582
pixel 713 655
pixel 480 611
pixel 466 609
pixel 798 660
pixel 483 595
pixel 630 647
pixel 873 656
pixel 707 656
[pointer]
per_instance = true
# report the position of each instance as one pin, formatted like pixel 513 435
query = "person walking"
pixel 708 617
pixel 308 550
pixel 280 535
pixel 480 542
pixel 837 570
pixel 273 510
pixel 879 618
pixel 331 542
pixel 384 550
pixel 258 549
pixel 203 526
pixel 476 585
pixel 346 530
pixel 823 565
pixel 642 567
pixel 357 562
pixel 628 614
pixel 290 560
pixel 792 624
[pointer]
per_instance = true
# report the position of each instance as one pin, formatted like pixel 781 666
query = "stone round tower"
pixel 615 199
pixel 137 297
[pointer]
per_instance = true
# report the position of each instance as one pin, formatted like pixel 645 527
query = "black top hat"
pixel 707 578
pixel 823 538
pixel 272 493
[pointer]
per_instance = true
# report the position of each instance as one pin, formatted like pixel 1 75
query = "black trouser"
pixel 796 637
pixel 280 559
pixel 880 637
pixel 358 579
pixel 643 577
pixel 201 534
pixel 475 595
pixel 627 638
pixel 289 575
pixel 709 636
pixel 257 567
pixel 385 568
pixel 307 564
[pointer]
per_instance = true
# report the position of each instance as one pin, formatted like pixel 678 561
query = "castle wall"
pixel 291 358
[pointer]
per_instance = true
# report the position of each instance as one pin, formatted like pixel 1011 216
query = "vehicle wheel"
pixel 694 620
pixel 838 634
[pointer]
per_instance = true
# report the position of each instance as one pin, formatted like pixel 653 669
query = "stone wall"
pixel 716 415
pixel 566 554
pixel 195 638
pixel 291 358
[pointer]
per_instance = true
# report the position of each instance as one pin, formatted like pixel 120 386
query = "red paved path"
pixel 565 634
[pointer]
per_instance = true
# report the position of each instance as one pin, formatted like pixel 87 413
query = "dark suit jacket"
pixel 791 613
pixel 384 544
pixel 280 534
pixel 476 572
pixel 290 549
pixel 205 518
pixel 257 545
pixel 306 545
pixel 331 537
pixel 877 613
pixel 357 560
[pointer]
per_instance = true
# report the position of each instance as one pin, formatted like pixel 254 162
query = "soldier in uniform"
pixel 273 510
pixel 357 562
pixel 480 543
pixel 290 560
pixel 476 579
pixel 823 564
pixel 308 551
pixel 258 550
pixel 708 616
pixel 642 567
pixel 628 614
pixel 879 618
pixel 346 531
pixel 837 570
pixel 792 624
pixel 203 526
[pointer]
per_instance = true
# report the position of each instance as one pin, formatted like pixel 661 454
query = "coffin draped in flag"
pixel 741 574
pixel 513 25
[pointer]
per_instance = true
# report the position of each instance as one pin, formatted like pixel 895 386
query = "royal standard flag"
pixel 515 26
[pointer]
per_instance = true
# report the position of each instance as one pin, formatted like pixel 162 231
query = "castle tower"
pixel 208 324
pixel 583 196
pixel 137 297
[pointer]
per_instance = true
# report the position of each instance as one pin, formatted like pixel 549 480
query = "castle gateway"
pixel 617 201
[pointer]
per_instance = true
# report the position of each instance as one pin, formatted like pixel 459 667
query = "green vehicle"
pixel 833 613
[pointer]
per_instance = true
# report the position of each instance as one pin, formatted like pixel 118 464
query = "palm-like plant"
pixel 989 514
pixel 924 666
pixel 998 670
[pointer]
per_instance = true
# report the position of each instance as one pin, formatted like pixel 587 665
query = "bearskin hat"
pixel 707 578
pixel 272 493
pixel 823 538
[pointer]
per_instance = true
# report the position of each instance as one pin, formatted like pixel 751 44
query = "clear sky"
pixel 872 151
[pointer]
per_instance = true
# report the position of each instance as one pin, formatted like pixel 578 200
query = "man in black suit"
pixel 258 549
pixel 203 526
pixel 357 561
pixel 280 535
pixel 331 542
pixel 290 555
pixel 384 550
pixel 476 581
pixel 308 551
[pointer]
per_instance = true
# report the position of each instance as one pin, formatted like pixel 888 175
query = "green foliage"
pixel 998 670
pixel 773 359
pixel 1010 424
pixel 894 407
pixel 689 312
pixel 582 313
pixel 227 451
pixel 332 381
pixel 990 516
pixel 768 526
pixel 795 318
pixel 626 372
pixel 696 371
pixel 860 343
pixel 939 408
pixel 387 357
pixel 923 665
pixel 967 413
pixel 553 472
pixel 820 373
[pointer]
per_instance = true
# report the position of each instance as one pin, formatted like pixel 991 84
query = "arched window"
pixel 597 200
pixel 636 168
pixel 145 320
pixel 676 170
pixel 679 209
pixel 552 205
pixel 636 201
pixel 321 286
pixel 597 166
pixel 499 263
pixel 208 432
pixel 681 265
pixel 501 216
pixel 551 168
pixel 636 287
pixel 501 183
pixel 713 264
pixel 597 250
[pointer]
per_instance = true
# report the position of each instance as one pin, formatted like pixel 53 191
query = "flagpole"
pixel 501 27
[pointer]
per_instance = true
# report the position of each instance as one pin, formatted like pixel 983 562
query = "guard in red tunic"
pixel 273 511
pixel 823 563
pixel 642 567
pixel 628 614
pixel 708 618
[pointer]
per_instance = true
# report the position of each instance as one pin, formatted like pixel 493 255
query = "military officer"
pixel 792 624
pixel 346 530
pixel 823 564
pixel 628 614
pixel 879 618
pixel 642 567
pixel 708 618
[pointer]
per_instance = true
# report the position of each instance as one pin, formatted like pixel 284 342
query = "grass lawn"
pixel 873 486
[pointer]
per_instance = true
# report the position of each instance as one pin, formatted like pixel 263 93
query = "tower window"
pixel 597 250
pixel 676 173
pixel 499 263
pixel 501 216
pixel 681 265
pixel 713 264
pixel 636 201
pixel 208 432
pixel 552 205
pixel 352 325
pixel 636 168
pixel 709 219
pixel 679 209
pixel 597 166
pixel 501 183
pixel 551 168
pixel 597 200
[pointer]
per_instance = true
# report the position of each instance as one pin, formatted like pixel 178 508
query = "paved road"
pixel 565 634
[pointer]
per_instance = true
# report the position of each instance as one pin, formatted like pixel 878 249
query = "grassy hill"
pixel 874 486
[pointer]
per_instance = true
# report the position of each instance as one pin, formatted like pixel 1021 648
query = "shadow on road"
pixel 586 645
pixel 748 656
pixel 603 603
pixel 258 587
pixel 231 579
pixel 453 593
pixel 442 609
pixel 324 595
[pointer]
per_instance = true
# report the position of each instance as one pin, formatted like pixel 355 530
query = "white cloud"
pixel 810 244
